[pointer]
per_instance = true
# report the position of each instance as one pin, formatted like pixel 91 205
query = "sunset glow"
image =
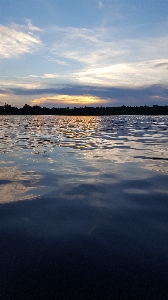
pixel 68 100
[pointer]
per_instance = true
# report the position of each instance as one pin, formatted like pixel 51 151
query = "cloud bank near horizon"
pixel 90 95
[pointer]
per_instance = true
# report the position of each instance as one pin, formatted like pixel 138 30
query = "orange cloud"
pixel 69 100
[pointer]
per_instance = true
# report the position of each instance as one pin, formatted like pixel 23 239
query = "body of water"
pixel 84 207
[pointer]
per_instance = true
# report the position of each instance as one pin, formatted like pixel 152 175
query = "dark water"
pixel 84 207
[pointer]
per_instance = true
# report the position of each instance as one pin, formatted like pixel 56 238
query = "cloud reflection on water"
pixel 97 216
pixel 78 150
pixel 16 185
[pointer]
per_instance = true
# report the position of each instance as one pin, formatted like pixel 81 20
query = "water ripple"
pixel 142 137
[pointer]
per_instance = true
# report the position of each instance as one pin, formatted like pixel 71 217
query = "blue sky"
pixel 84 52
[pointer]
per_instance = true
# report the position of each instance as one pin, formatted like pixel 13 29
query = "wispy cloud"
pixel 100 55
pixel 50 76
pixel 57 61
pixel 18 39
pixel 28 82
pixel 124 74
pixel 31 27
pixel 100 4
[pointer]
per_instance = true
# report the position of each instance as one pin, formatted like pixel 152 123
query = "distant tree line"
pixel 84 111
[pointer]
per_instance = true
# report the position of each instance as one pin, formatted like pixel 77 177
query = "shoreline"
pixel 85 111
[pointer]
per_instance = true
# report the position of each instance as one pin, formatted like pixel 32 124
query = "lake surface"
pixel 84 207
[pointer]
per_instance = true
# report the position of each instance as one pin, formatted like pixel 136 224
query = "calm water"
pixel 84 207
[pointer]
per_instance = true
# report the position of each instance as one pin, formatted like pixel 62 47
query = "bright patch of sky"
pixel 94 50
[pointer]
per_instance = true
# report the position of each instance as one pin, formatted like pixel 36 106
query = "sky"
pixel 66 53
